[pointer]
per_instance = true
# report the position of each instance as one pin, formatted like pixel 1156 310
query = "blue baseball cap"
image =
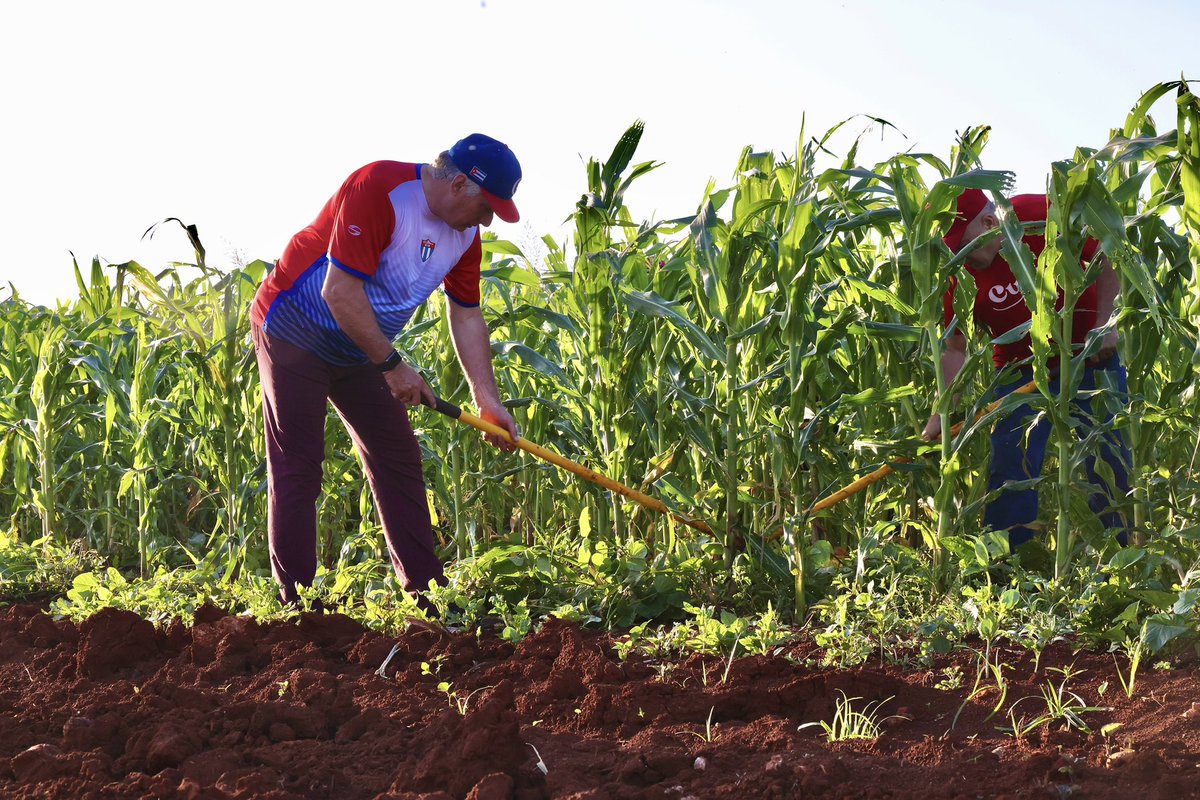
pixel 492 166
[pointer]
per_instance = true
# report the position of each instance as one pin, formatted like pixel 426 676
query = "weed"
pixel 729 663
pixel 989 676
pixel 516 618
pixel 952 678
pixel 1019 728
pixel 1067 707
pixel 1062 706
pixel 382 671
pixel 849 723
pixel 433 667
pixel 456 700
pixel 1134 649
pixel 709 736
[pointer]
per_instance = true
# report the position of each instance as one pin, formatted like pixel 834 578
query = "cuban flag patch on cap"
pixel 478 174
pixel 427 246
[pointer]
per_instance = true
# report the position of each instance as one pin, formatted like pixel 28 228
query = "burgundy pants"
pixel 296 388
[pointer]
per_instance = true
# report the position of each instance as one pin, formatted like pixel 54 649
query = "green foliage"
pixel 39 568
pixel 738 361
pixel 710 633
pixel 167 595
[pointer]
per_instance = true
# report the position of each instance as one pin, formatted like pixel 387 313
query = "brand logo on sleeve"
pixel 427 247
pixel 354 230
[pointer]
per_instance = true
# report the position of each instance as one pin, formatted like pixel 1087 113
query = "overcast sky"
pixel 243 117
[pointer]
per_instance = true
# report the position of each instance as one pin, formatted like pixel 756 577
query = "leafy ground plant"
pixel 41 567
pixel 459 702
pixel 710 633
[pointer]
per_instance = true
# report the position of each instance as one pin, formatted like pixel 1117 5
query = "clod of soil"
pixel 231 708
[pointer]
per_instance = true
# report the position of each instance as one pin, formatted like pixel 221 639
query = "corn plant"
pixel 739 361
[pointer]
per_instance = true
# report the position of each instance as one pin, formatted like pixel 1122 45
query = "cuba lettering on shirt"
pixel 1006 296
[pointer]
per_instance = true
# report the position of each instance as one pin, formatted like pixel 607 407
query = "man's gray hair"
pixel 443 169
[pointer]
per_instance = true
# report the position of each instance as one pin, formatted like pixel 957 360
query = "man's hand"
pixel 933 429
pixel 407 386
pixel 1108 348
pixel 495 413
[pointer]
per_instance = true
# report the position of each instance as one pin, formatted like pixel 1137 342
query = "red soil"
pixel 231 708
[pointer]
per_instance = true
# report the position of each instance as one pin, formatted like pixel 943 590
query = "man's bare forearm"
pixel 347 299
pixel 1108 286
pixel 952 364
pixel 472 342
pixel 953 358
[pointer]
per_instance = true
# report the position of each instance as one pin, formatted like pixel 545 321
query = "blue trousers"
pixel 1018 453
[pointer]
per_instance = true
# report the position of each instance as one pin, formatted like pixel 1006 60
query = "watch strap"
pixel 390 363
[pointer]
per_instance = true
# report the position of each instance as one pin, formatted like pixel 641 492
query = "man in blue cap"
pixel 323 322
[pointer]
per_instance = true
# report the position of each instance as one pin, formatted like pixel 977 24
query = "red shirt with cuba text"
pixel 999 304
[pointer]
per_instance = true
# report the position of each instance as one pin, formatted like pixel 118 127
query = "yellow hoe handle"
pixel 454 412
pixel 887 469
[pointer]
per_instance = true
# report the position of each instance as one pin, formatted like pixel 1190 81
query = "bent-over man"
pixel 999 306
pixel 323 323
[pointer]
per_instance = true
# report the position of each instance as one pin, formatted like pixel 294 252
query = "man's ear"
pixel 990 220
pixel 458 183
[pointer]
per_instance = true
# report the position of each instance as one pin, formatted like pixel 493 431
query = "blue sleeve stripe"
pixel 458 302
pixel 348 268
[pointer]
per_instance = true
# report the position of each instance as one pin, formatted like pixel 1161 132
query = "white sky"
pixel 243 116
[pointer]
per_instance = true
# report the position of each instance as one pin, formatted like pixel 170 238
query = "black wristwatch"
pixel 390 363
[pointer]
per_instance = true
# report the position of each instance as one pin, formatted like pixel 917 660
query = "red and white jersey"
pixel 377 227
pixel 999 304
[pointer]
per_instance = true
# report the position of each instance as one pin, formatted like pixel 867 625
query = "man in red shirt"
pixel 323 322
pixel 1018 451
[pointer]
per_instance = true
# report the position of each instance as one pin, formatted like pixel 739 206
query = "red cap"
pixel 492 166
pixel 970 203
pixel 504 207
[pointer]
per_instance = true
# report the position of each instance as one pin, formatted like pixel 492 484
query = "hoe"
pixel 454 412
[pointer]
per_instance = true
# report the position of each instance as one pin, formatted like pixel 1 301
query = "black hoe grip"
pixel 449 409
